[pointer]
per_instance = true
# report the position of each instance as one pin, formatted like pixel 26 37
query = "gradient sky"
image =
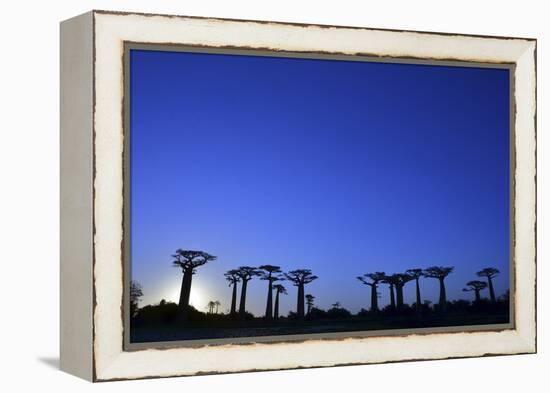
pixel 340 167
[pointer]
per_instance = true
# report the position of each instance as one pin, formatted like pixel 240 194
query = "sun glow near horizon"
pixel 196 299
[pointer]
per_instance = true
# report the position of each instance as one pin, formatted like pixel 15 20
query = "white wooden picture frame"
pixel 92 195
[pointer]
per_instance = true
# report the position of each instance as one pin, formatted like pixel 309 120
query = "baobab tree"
pixel 309 302
pixel 245 273
pixel 188 261
pixel 279 289
pixel 300 278
pixel 390 280
pixel 440 272
pixel 136 292
pixel 416 274
pixel 400 279
pixel 490 273
pixel 232 276
pixel 271 274
pixel 374 278
pixel 477 287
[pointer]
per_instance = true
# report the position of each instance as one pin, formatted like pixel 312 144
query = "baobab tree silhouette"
pixel 400 279
pixel 136 292
pixel 279 289
pixel 232 276
pixel 490 273
pixel 416 274
pixel 300 278
pixel 245 273
pixel 390 280
pixel 211 304
pixel 440 272
pixel 375 278
pixel 270 273
pixel 188 261
pixel 477 287
pixel 309 302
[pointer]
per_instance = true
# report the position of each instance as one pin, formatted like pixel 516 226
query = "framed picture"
pixel 245 195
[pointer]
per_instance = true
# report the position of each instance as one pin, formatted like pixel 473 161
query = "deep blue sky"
pixel 337 166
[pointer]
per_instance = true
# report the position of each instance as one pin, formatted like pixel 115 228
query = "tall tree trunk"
pixel 234 299
pixel 182 291
pixel 399 295
pixel 187 296
pixel 269 305
pixel 442 295
pixel 392 297
pixel 418 299
pixel 300 305
pixel 185 293
pixel 478 297
pixel 242 305
pixel 276 312
pixel 491 289
pixel 373 298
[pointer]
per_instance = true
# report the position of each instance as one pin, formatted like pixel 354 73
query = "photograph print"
pixel 275 196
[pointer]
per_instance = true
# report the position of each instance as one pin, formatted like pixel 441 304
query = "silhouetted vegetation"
pixel 270 273
pixel 416 274
pixel 300 278
pixel 174 321
pixel 188 261
pixel 279 290
pixel 213 306
pixel 338 312
pixel 400 279
pixel 440 272
pixel 390 280
pixel 475 286
pixel 489 273
pixel 136 292
pixel 374 278
pixel 245 273
pixel 232 276
pixel 309 302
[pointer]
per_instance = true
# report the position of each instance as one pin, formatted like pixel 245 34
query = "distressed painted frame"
pixel 92 190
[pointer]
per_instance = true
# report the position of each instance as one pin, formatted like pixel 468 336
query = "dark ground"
pixel 141 333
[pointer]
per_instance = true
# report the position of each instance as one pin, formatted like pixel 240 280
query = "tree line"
pixel 396 282
pixel 271 274
pixel 189 260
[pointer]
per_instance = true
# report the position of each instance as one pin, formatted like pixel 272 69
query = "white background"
pixel 29 197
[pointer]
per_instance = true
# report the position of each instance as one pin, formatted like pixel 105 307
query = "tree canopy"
pixel 489 272
pixel 375 278
pixel 246 273
pixel 191 259
pixel 475 286
pixel 232 276
pixel 415 273
pixel 270 273
pixel 300 276
pixel 280 288
pixel 438 271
